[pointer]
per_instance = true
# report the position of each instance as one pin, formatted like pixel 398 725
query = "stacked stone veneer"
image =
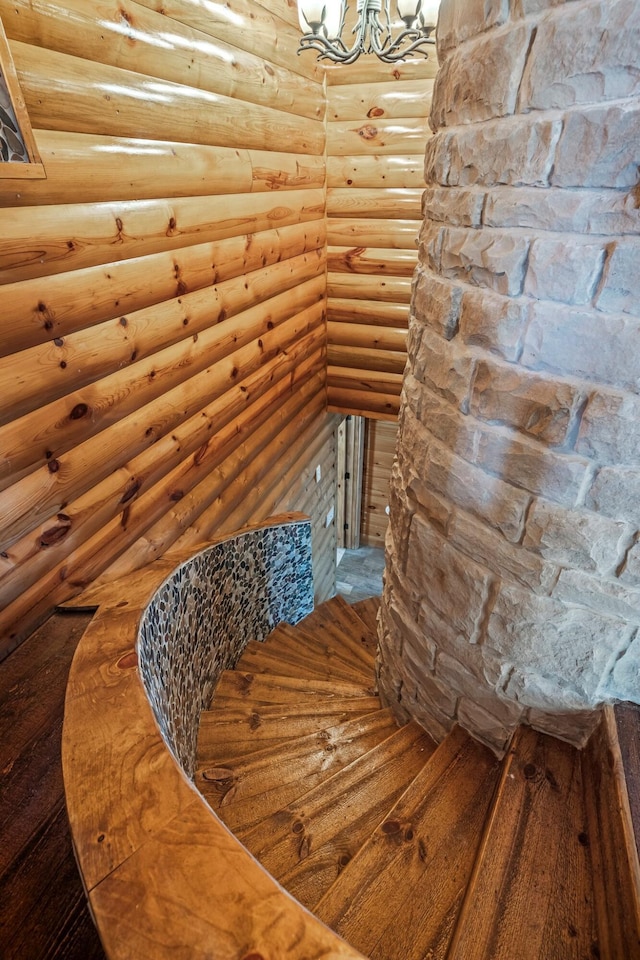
pixel 513 558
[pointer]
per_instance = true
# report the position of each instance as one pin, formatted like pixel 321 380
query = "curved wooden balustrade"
pixel 164 876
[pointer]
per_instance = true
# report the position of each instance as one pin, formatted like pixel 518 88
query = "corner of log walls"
pixel 377 128
pixel 165 354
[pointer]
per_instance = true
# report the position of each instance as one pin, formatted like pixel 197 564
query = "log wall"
pixel 162 350
pixel 376 133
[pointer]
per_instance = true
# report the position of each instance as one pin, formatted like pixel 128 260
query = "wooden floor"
pixel 43 912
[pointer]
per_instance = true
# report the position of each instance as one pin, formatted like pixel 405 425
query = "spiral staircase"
pixel 407 849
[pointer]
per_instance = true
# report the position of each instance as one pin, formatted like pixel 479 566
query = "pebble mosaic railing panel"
pixel 202 616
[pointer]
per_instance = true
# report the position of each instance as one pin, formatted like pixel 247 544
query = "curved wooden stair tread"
pixel 406 850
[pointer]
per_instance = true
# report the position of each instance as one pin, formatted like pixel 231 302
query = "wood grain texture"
pixel 627 717
pixel 379 452
pixel 307 844
pixel 531 894
pixel 417 862
pixel 612 845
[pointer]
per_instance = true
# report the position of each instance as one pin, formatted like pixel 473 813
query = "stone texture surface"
pixel 513 557
pixel 539 406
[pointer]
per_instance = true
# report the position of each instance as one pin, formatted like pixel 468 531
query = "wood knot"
pixel 530 771
pixel 298 827
pixel 368 132
pixel 583 839
pixel 391 826
pixel 127 661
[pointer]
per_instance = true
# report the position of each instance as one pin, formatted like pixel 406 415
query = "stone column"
pixel 512 589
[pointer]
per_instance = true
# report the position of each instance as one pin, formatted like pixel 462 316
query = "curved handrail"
pixel 164 877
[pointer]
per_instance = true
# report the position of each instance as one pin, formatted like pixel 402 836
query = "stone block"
pixel 620 289
pixel 584 54
pixel 431 507
pixel 576 538
pixel 437 158
pixel 515 151
pixel 603 212
pixel 506 560
pixel 413 645
pixel 485 258
pixel 630 571
pixel 411 396
pixel 598 147
pixel 493 322
pixel 457 22
pixel 525 8
pixel 567 650
pixel 457 207
pixel 481 494
pixel 546 694
pixel 524 463
pixel 566 269
pixel 582 343
pixel 624 681
pixel 435 695
pixel 462 678
pixel 610 597
pixel 538 405
pixel 430 245
pixel 455 586
pixel 456 430
pixel 573 726
pixel 484 726
pixel 481 81
pixel 615 492
pixel 610 428
pixel 443 367
pixel 436 303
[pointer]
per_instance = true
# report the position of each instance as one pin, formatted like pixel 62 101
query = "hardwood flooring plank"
pixel 331 639
pixel 277 660
pixel 531 894
pixel 400 895
pixel 367 610
pixel 253 787
pixel 250 687
pixel 226 733
pixel 616 872
pixel 307 844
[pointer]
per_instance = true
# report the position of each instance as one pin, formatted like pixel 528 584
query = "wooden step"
pixel 322 647
pixel 614 855
pixel 250 788
pixel 306 845
pixel 252 688
pixel 277 659
pixel 400 895
pixel 238 729
pixel 531 893
pixel 367 610
pixel 336 617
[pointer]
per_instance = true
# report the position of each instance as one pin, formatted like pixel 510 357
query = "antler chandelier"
pixel 322 23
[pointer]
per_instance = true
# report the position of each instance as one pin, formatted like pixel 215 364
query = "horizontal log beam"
pixel 347 138
pixel 363 335
pixel 360 403
pixel 387 289
pixel 394 204
pixel 361 173
pixel 377 261
pixel 382 99
pixel 251 26
pixel 344 378
pixel 71 237
pixel 370 70
pixel 371 312
pixel 99 99
pixel 125 34
pixel 86 168
pixel 80 299
pixel 366 358
pixel 356 232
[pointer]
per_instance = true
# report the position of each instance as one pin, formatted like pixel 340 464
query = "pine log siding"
pixel 163 346
pixel 376 133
